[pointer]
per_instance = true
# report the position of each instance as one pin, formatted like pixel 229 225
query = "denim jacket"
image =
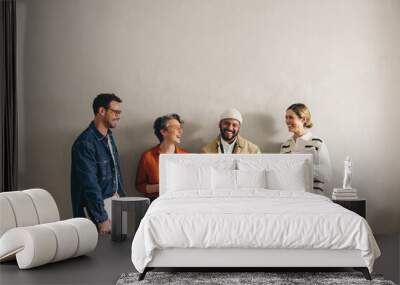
pixel 93 174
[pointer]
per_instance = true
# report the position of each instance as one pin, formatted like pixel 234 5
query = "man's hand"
pixel 105 228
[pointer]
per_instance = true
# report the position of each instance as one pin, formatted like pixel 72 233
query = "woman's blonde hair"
pixel 302 111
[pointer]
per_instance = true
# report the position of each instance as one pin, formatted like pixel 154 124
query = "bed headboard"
pixel 281 163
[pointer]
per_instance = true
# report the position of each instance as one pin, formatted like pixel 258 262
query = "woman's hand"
pixel 152 188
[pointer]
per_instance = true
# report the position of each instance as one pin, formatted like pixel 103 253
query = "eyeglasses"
pixel 116 112
pixel 178 128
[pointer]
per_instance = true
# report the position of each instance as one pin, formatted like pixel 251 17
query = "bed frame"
pixel 244 259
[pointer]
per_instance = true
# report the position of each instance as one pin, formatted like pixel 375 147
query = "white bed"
pixel 247 211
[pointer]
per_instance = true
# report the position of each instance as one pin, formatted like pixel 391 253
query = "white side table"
pixel 127 211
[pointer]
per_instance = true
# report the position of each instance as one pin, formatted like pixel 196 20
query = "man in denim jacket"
pixel 95 171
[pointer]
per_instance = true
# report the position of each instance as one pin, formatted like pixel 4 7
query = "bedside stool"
pixel 358 206
pixel 127 212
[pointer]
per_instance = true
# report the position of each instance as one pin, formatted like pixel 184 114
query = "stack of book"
pixel 344 194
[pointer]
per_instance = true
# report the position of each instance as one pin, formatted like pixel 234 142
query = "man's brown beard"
pixel 225 139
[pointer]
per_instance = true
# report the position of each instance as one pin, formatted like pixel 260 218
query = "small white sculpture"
pixel 347 173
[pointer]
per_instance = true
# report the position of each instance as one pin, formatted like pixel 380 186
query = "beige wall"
pixel 197 58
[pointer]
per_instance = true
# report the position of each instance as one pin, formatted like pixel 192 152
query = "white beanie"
pixel 231 113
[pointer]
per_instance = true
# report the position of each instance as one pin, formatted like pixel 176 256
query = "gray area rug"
pixel 226 278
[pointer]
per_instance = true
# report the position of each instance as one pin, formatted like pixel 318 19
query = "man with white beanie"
pixel 229 141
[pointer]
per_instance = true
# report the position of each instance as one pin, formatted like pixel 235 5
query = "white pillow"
pixel 183 178
pixel 224 179
pixel 293 178
pixel 251 178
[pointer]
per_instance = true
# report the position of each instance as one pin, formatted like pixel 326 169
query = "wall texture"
pixel 197 58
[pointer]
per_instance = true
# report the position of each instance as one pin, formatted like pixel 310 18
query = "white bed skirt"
pixel 193 257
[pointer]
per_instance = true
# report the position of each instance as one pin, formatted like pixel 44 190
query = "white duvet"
pixel 251 218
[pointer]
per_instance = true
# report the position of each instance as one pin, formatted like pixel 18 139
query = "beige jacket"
pixel 243 146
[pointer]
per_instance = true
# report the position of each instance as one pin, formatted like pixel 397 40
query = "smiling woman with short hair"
pixel 298 121
pixel 168 129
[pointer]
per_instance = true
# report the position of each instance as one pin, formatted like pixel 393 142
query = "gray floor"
pixel 110 260
pixel 389 262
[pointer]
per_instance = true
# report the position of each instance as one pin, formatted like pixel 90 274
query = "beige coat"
pixel 243 146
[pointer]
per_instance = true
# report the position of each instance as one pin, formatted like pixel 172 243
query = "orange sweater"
pixel 147 171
